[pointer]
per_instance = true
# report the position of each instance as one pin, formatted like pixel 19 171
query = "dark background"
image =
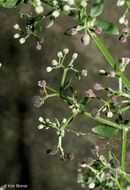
pixel 23 157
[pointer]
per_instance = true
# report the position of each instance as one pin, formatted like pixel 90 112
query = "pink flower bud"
pixel 112 73
pixel 98 30
pixel 73 31
pixel 126 21
pixel 85 39
pixel 41 83
pixel 123 39
pixel 89 93
pixel 126 60
pixel 114 99
pixel 66 8
pixel 29 31
pixel 38 47
pixel 41 91
pixel 97 86
pixel 122 69
pixel 125 30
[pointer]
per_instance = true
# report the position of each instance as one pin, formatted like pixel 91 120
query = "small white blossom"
pixel 22 40
pixel 109 114
pixel 121 20
pixel 16 35
pixel 55 13
pixel 91 185
pixel 102 71
pixel 74 56
pixel 16 26
pixel 83 3
pixel 120 3
pixel 90 23
pixel 39 9
pixel 66 50
pixel 60 54
pixel 71 2
pixel 41 119
pixel 0 65
pixel 38 2
pixel 47 120
pixel 84 72
pixel 49 69
pixel 55 2
pixel 54 62
pixel 40 127
pixel 64 120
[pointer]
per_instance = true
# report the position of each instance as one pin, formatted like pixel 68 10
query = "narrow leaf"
pixel 52 22
pixel 112 156
pixel 105 130
pixel 9 3
pixel 67 84
pixel 107 27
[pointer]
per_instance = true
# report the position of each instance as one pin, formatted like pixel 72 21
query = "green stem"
pixel 118 185
pixel 51 89
pixel 67 122
pixel 102 120
pixel 63 80
pixel 109 59
pixel 123 153
pixel 120 84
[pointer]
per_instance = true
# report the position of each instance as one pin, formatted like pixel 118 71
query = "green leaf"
pixel 112 156
pixel 37 29
pixel 107 27
pixel 97 8
pixel 52 22
pixel 9 3
pixel 103 159
pixel 83 102
pixel 19 2
pixel 38 18
pixel 105 130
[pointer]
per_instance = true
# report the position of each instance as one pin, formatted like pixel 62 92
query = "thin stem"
pixel 51 89
pixel 123 153
pixel 63 80
pixel 102 120
pixel 67 122
pixel 117 183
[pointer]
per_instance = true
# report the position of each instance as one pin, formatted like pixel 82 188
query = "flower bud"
pixel 41 83
pixel 38 47
pixel 66 8
pixel 112 73
pixel 39 9
pixel 114 99
pixel 125 30
pixel 97 86
pixel 123 39
pixel 120 3
pixel 73 31
pixel 91 185
pixel 54 62
pixel 60 54
pixel 89 93
pixel 85 39
pixel 55 13
pixel 49 69
pixel 66 50
pixel 84 72
pixel 17 35
pixel 41 119
pixel 83 3
pixel 37 101
pixel 98 30
pixel 74 56
pixel 16 26
pixel 126 21
pixel 40 127
pixel 109 114
pixel 22 40
pixel 121 20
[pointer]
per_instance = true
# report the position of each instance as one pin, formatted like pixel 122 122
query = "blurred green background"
pixel 23 158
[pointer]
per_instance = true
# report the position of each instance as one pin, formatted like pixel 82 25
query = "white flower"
pixel 109 114
pixel 121 20
pixel 22 40
pixel 16 35
pixel 49 69
pixel 54 62
pixel 16 26
pixel 120 3
pixel 83 3
pixel 71 2
pixel 55 13
pixel 55 2
pixel 90 23
pixel 74 56
pixel 39 9
pixel 40 127
pixel 84 72
pixel 41 119
pixel 47 120
pixel 91 185
pixel 64 120
pixel 60 54
pixel 0 65
pixel 66 50
pixel 102 71
pixel 38 2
